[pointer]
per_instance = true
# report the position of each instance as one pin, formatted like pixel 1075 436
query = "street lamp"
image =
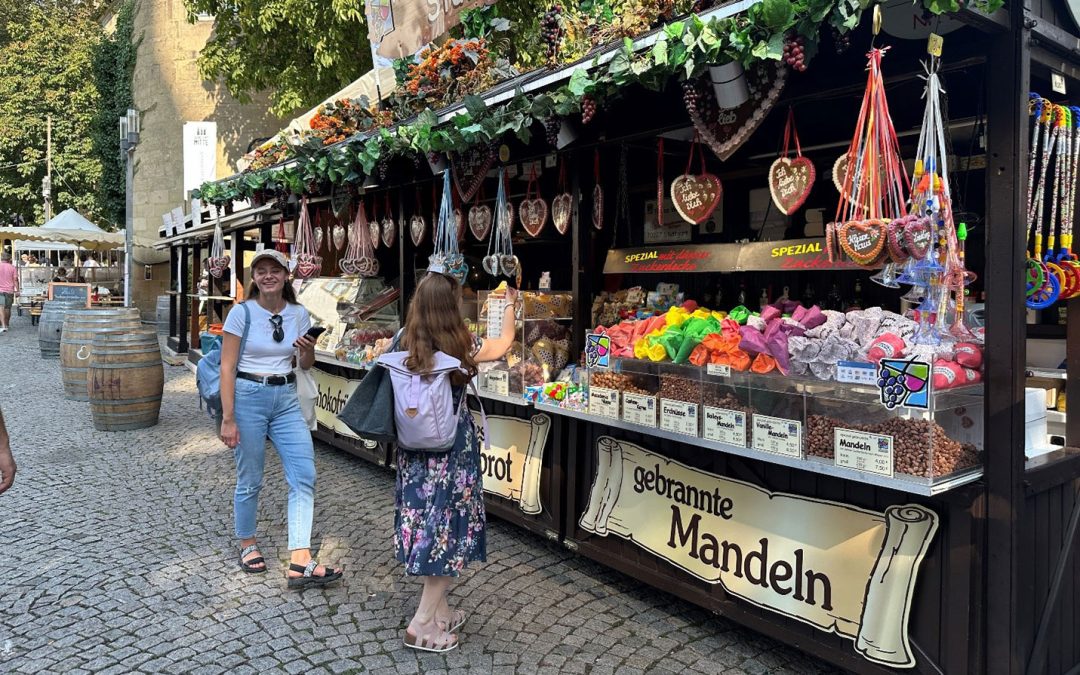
pixel 129 138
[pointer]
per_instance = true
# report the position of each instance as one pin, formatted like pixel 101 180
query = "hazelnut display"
pixel 680 389
pixel 715 398
pixel 620 382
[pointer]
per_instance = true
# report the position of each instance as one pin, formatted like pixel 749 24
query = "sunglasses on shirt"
pixel 279 332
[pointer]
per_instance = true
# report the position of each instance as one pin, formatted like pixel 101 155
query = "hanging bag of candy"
pixel 308 261
pixel 218 261
pixel 875 184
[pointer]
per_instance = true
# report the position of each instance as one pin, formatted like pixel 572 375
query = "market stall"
pixel 771 347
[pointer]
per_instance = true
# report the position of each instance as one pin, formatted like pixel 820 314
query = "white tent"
pixel 69 231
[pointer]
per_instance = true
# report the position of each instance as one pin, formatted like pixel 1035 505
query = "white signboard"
pixel 200 154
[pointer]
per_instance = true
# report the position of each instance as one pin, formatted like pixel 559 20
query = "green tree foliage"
pixel 300 51
pixel 113 68
pixel 45 68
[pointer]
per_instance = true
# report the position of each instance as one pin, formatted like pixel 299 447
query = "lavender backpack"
pixel 424 411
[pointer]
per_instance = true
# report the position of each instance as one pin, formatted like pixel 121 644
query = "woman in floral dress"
pixel 440 525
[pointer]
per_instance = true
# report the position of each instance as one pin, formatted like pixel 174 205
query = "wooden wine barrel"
pixel 51 325
pixel 125 380
pixel 80 327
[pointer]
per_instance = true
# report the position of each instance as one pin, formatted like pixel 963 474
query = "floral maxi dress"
pixel 440 524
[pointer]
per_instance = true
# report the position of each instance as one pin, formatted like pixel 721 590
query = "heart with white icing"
pixel 790 182
pixel 533 214
pixel 560 212
pixel 863 240
pixel 696 196
pixel 417 229
pixel 389 231
pixel 480 221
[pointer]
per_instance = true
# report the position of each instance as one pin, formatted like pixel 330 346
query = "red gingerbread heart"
pixel 790 182
pixel 918 237
pixel 696 197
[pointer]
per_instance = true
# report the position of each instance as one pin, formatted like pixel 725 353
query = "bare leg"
pixel 424 626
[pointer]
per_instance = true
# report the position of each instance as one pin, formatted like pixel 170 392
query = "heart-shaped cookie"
pixel 459 222
pixel 490 263
pixel 918 237
pixel 417 229
pixel 509 265
pixel 460 271
pixel 696 196
pixel 839 176
pixel 348 266
pixel 319 236
pixel 533 214
pixel 733 126
pixel 308 265
pixel 373 229
pixel 470 168
pixel 863 240
pixel 598 207
pixel 337 235
pixel 480 221
pixel 894 238
pixel 218 265
pixel 560 212
pixel 790 182
pixel 389 232
pixel 367 267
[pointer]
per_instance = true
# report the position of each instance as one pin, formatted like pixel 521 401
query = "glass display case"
pixel 542 344
pixel 361 316
pixel 828 425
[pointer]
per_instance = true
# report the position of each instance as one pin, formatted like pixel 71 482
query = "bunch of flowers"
pixel 268 155
pixel 344 118
pixel 446 73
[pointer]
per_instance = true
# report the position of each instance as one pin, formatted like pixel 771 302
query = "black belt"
pixel 272 380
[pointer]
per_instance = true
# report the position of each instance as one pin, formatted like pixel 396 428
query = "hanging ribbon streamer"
pixel 447 258
pixel 308 262
pixel 500 258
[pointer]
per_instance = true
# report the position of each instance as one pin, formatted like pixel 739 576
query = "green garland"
pixel 684 50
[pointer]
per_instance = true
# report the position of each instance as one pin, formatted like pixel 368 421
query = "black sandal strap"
pixel 248 550
pixel 293 567
pixel 253 562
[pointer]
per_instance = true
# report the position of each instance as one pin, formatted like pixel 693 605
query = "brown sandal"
pixel 458 617
pixel 426 644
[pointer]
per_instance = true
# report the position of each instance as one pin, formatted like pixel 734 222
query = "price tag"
pixel 639 409
pixel 679 417
pixel 725 426
pixel 604 402
pixel 496 311
pixel 718 369
pixel 498 382
pixel 934 45
pixel 778 435
pixel 856 372
pixel 861 451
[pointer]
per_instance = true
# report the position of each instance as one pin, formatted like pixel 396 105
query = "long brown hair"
pixel 434 324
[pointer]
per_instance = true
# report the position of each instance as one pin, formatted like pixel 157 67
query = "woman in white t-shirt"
pixel 259 401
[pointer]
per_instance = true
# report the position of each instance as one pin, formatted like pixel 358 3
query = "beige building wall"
pixel 168 91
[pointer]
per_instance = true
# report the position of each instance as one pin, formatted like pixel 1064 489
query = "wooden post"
pixel 182 291
pixel 1005 339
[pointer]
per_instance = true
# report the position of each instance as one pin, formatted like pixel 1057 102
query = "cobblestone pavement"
pixel 118 558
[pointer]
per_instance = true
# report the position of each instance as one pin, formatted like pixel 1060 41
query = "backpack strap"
pixel 243 336
pixel 483 415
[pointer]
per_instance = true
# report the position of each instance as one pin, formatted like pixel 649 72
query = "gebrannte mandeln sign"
pixel 511 466
pixel 836 567
pixel 763 256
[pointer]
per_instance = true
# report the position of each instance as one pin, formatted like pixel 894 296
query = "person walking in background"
pixel 440 523
pixel 9 288
pixel 7 462
pixel 259 400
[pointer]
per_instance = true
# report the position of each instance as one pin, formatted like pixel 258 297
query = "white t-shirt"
pixel 261 354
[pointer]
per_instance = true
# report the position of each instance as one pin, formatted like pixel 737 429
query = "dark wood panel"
pixel 1054 550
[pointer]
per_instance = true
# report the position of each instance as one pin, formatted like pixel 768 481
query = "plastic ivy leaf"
pixel 580 82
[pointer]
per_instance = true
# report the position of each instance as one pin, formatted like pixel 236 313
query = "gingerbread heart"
pixel 733 127
pixel 459 271
pixel 509 265
pixel 490 263
pixel 389 232
pixel 918 237
pixel 367 267
pixel 470 169
pixel 308 265
pixel 894 238
pixel 417 229
pixel 319 236
pixel 790 182
pixel 696 197
pixel 839 176
pixel 459 222
pixel 480 221
pixel 337 235
pixel 373 228
pixel 533 214
pixel 347 265
pixel 598 207
pixel 560 212
pixel 863 240
pixel 218 265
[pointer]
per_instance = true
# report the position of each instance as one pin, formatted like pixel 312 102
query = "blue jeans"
pixel 273 411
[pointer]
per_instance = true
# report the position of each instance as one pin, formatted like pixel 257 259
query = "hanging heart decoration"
pixel 500 258
pixel 459 224
pixel 360 257
pixel 731 128
pixel 218 261
pixel 389 227
pixel 374 231
pixel 560 205
pixel 320 236
pixel 894 238
pixel 447 258
pixel 480 221
pixel 533 211
pixel 417 229
pixel 790 180
pixel 471 167
pixel 337 235
pixel 696 197
pixel 918 237
pixel 308 262
pixel 839 174
pixel 597 194
pixel 218 265
pixel 863 240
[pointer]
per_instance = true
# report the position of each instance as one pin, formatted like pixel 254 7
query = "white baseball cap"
pixel 273 254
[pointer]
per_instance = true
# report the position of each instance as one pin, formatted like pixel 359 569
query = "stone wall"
pixel 169 92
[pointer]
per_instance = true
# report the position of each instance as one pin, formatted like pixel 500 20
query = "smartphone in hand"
pixel 315 331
